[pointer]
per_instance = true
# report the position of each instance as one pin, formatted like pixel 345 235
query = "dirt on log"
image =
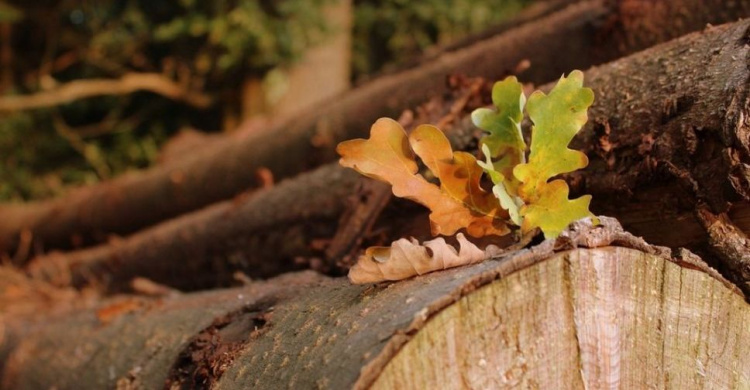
pixel 666 145
pixel 587 32
pixel 594 308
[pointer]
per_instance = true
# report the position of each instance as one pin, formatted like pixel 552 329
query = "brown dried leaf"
pixel 407 258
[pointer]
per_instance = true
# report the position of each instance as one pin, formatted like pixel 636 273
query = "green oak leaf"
pixel 557 118
pixel 500 186
pixel 505 140
pixel 553 211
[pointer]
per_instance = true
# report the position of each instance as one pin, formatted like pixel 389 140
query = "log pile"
pixel 588 32
pixel 672 155
pixel 595 308
pixel 105 287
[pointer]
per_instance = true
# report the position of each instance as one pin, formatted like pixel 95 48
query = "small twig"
pixel 371 199
pixel 75 141
pixel 65 61
pixel 460 104
pixel 127 84
pixel 729 243
pixel 726 240
pixel 145 286
pixel 24 247
pixel 114 123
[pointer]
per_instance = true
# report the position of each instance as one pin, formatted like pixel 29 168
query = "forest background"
pixel 189 67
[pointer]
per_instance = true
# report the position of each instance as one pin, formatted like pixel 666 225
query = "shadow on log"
pixel 595 308
pixel 587 32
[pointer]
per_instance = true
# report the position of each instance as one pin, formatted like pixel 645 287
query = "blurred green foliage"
pixel 207 46
pixel 391 32
pixel 9 13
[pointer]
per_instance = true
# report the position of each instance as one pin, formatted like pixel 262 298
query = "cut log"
pixel 578 36
pixel 260 234
pixel 650 164
pixel 617 315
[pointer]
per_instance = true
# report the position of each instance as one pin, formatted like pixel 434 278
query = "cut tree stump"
pixel 617 315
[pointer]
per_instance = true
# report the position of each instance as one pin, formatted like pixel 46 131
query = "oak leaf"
pixel 557 118
pixel 459 201
pixel 505 139
pixel 505 190
pixel 504 142
pixel 407 258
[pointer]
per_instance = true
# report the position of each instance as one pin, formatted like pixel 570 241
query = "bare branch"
pixel 127 84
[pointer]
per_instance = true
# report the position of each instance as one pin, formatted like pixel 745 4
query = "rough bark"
pixel 664 141
pixel 623 315
pixel 672 139
pixel 260 234
pixel 587 32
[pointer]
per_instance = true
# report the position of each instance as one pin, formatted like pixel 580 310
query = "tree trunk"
pixel 664 140
pixel 587 32
pixel 322 72
pixel 620 314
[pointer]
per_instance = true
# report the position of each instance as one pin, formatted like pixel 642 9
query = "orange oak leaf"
pixel 459 202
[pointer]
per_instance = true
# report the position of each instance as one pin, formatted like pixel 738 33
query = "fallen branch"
pixel 127 84
pixel 129 203
pixel 594 296
pixel 641 158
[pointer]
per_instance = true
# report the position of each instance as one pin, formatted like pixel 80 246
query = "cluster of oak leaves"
pixel 522 195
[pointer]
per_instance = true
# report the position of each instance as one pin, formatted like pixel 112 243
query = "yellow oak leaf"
pixel 504 143
pixel 459 202
pixel 557 118
pixel 553 211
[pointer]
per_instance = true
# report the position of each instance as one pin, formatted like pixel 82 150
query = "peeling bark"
pixel 613 315
pixel 587 32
